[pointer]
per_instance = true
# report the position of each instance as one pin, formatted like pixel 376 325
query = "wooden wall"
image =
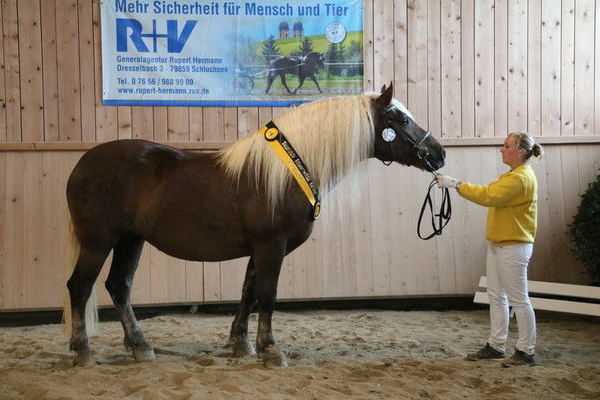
pixel 469 70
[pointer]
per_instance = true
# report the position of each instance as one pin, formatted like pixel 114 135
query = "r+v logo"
pixel 132 29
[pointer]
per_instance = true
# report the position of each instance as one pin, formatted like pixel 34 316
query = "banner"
pixel 230 53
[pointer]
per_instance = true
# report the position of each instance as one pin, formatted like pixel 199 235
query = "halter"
pixel 445 213
pixel 417 145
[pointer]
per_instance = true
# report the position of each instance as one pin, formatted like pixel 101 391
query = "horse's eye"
pixel 404 121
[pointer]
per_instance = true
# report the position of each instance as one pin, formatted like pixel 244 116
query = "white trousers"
pixel 507 284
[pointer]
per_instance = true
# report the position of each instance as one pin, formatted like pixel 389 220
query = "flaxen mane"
pixel 332 136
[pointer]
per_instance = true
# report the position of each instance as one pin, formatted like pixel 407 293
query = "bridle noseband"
pixel 445 213
pixel 417 145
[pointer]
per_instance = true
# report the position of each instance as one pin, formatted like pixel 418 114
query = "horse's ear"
pixel 386 95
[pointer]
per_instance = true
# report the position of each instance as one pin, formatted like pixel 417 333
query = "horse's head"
pixel 399 138
pixel 315 58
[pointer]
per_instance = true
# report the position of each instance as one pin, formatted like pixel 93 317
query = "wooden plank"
pixel 383 43
pixel 194 271
pixel 142 284
pixel 232 272
pixel 400 52
pixel 12 91
pixel 85 14
pixel 30 49
pixel 543 243
pixel 417 60
pixel 567 76
pixel 35 282
pixel 467 59
pixel 50 71
pixel 142 123
pixel 500 68
pixel 572 307
pixel 517 66
pixel 196 122
pixel 69 90
pixel 2 94
pixel 124 122
pixel 556 208
pixel 534 83
pixel 213 130
pixel 247 121
pixel 361 236
pixel 484 69
pixel 14 231
pixel 160 124
pixel 584 67
pixel 380 252
pixel 178 124
pixel 178 129
pixel 160 277
pixel 3 218
pixel 106 117
pixel 587 167
pixel 570 186
pixel 333 258
pixel 451 69
pixel 434 84
pixel 368 39
pixel 551 69
pixel 265 114
pixel 596 129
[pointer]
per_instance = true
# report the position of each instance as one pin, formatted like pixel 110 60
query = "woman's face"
pixel 511 154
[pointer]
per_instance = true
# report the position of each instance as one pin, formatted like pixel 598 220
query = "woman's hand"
pixel 445 181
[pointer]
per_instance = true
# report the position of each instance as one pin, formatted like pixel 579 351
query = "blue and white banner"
pixel 230 53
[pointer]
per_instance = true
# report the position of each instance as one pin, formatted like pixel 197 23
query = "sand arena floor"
pixel 359 354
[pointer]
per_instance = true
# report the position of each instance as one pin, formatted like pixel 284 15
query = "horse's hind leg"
pixel 270 79
pixel 238 336
pixel 267 262
pixel 119 282
pixel 316 83
pixel 80 286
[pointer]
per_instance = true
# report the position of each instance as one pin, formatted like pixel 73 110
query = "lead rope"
pixel 443 217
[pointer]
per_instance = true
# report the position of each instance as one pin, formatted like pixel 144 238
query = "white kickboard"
pixel 556 289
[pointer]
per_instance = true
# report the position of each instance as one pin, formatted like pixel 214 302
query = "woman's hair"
pixel 526 142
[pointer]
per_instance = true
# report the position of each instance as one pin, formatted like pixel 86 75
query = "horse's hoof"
pixel 141 354
pixel 242 348
pixel 83 359
pixel 273 357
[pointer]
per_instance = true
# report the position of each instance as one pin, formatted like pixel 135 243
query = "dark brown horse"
pixel 304 67
pixel 238 202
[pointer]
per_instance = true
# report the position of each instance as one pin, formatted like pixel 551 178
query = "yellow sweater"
pixel 512 202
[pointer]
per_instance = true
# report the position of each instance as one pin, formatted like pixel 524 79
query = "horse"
pixel 304 67
pixel 237 202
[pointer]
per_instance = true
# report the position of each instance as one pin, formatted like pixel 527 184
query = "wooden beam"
pixel 216 145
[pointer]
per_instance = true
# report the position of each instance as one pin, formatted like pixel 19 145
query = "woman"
pixel 510 231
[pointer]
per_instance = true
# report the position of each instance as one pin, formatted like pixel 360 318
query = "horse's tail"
pixel 91 308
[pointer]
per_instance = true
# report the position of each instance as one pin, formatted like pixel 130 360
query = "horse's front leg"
pixel 316 83
pixel 238 336
pixel 282 76
pixel 267 262
pixel 301 82
pixel 270 79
